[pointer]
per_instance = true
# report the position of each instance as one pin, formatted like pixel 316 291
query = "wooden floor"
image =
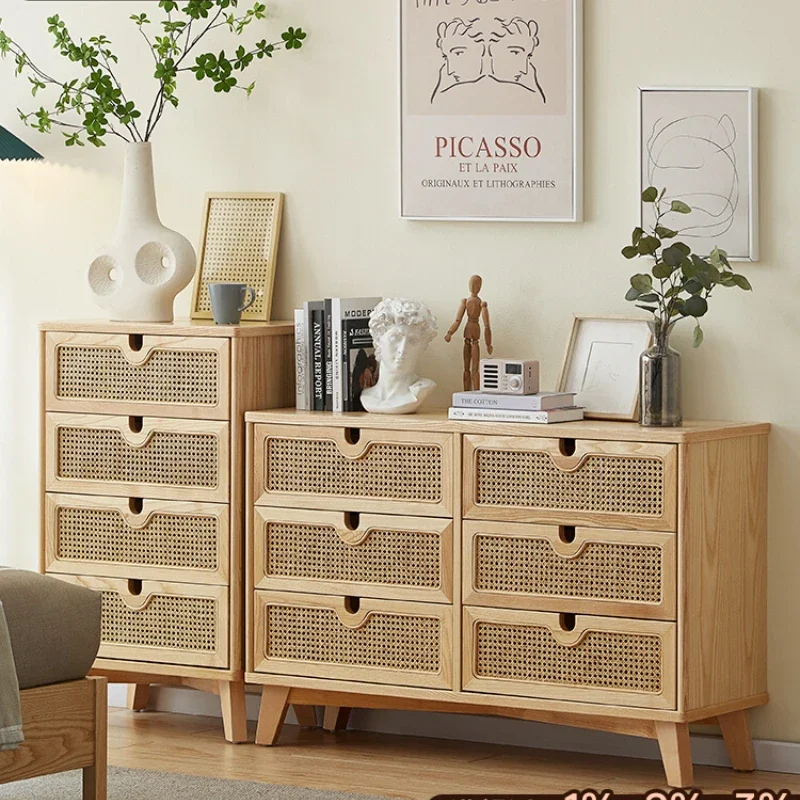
pixel 389 766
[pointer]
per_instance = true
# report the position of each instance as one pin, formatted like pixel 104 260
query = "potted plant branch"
pixel 138 276
pixel 678 286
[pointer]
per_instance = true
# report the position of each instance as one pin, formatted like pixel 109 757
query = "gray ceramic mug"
pixel 228 301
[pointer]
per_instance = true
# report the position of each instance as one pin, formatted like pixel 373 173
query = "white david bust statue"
pixel 401 330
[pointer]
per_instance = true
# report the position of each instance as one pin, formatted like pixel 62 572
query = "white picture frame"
pixel 547 187
pixel 702 144
pixel 601 365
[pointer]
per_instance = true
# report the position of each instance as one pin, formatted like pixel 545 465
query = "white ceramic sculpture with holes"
pixel 139 275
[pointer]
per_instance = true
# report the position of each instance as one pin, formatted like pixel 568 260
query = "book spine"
pixel 301 398
pixel 318 352
pixel 505 415
pixel 309 354
pixel 328 357
pixel 336 353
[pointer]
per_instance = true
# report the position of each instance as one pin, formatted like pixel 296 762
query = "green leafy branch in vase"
pixel 94 104
pixel 680 283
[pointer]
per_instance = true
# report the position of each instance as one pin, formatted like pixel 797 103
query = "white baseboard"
pixel 770 756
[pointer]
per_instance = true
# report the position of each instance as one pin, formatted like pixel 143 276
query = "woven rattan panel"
pixel 173 623
pixel 385 641
pixel 397 558
pixel 167 540
pixel 238 246
pixel 168 458
pixel 603 483
pixel 602 570
pixel 185 377
pixel 602 659
pixel 385 471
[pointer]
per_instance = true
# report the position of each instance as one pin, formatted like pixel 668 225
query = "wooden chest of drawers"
pixel 594 574
pixel 143 496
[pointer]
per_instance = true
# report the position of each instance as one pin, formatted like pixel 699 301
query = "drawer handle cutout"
pixel 135 424
pixel 135 342
pixel 134 587
pixel 566 533
pixel 566 622
pixel 136 505
pixel 352 519
pixel 352 435
pixel 566 447
pixel 352 605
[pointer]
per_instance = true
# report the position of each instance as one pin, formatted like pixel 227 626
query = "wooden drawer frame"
pixel 354 672
pixel 150 425
pixel 367 438
pixel 220 512
pixel 156 655
pixel 583 448
pixel 353 537
pixel 667 631
pixel 666 542
pixel 137 358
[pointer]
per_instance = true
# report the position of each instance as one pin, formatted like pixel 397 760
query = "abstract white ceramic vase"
pixel 137 277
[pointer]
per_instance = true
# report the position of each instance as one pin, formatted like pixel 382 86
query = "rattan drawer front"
pixel 165 623
pixel 604 484
pixel 172 459
pixel 347 469
pixel 168 376
pixel 543 568
pixel 397 558
pixel 602 660
pixel 160 540
pixel 395 642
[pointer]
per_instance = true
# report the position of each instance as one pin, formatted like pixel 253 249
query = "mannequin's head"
pixel 475 284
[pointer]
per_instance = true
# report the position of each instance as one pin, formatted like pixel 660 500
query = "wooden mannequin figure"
pixel 476 310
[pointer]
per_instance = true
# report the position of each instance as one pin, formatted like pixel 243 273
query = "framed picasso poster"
pixel 491 109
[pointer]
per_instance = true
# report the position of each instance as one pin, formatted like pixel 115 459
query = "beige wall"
pixel 322 127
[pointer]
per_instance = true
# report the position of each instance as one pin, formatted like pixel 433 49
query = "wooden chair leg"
pixel 274 705
pixel 736 734
pixel 306 716
pixel 676 753
pixel 336 718
pixel 95 778
pixel 138 696
pixel 234 713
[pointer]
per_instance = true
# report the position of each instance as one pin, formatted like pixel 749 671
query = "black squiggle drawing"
pixel 698 143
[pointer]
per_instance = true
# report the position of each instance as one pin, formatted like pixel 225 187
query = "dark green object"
pixel 12 149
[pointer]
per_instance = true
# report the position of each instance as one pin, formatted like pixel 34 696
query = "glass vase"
pixel 660 381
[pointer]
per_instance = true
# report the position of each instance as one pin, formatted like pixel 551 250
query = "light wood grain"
pixel 234 713
pixel 306 716
pixel 676 753
pixel 127 671
pixel 274 705
pixel 180 327
pixel 95 776
pixel 723 566
pixel 665 454
pixel 354 538
pixel 736 733
pixel 136 525
pixel 611 584
pixel 138 696
pixel 336 718
pixel 435 420
pixel 150 346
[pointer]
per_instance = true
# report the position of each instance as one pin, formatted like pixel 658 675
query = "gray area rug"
pixel 128 784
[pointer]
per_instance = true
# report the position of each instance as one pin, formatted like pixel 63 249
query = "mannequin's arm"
pixel 487 327
pixel 462 309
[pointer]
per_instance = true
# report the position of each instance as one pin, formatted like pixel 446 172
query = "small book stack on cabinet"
pixel 595 574
pixel 143 473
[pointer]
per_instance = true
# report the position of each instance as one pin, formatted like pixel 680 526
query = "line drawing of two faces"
pixel 476 49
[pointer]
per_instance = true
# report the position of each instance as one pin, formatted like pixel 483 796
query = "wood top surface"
pixel 180 327
pixel 436 421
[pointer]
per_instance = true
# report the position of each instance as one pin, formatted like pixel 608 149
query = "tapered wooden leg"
pixel 95 778
pixel 274 705
pixel 138 696
pixel 736 734
pixel 336 718
pixel 306 716
pixel 676 753
pixel 234 713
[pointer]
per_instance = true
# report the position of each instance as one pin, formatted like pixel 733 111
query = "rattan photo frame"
pixel 238 244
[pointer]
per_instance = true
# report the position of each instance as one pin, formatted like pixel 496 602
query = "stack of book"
pixel 334 354
pixel 541 408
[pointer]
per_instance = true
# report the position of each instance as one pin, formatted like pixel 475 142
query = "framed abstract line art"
pixel 601 365
pixel 491 118
pixel 238 244
pixel 702 145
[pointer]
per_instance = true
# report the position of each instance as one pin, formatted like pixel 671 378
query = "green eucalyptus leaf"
pixel 696 306
pixel 630 251
pixel 673 256
pixel 637 235
pixel 651 297
pixel 693 286
pixel 697 336
pixel 650 195
pixel 648 245
pixel 643 282
pixel 652 309
pixel 665 233
pixel 662 271
pixel 679 207
pixel 632 294
pixel 743 283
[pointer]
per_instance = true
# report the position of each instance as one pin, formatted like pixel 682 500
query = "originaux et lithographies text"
pixel 489 105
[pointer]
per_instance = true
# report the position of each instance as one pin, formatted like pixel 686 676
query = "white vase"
pixel 137 277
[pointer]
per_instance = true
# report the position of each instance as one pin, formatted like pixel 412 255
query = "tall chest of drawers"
pixel 143 490
pixel 593 574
